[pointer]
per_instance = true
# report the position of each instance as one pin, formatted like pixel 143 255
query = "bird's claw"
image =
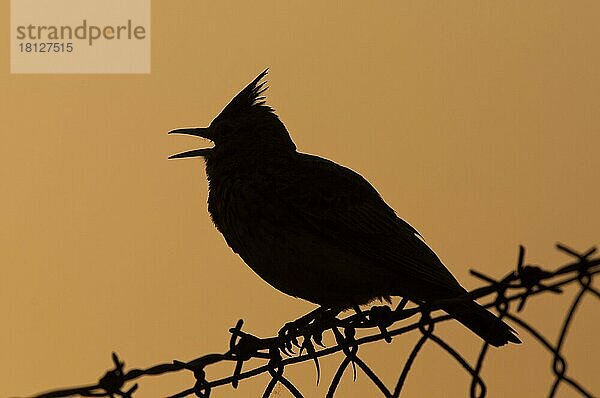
pixel 310 327
pixel 288 338
pixel 317 337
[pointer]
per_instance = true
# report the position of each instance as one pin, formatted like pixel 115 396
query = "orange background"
pixel 477 121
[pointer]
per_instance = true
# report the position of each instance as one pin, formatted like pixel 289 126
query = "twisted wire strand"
pixel 383 323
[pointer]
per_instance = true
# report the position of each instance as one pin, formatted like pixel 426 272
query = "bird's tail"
pixel 482 322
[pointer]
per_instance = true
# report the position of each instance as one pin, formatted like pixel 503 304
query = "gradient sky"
pixel 478 123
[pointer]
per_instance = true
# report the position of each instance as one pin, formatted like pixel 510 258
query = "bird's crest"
pixel 249 98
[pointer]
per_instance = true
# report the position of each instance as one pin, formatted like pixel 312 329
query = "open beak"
pixel 202 132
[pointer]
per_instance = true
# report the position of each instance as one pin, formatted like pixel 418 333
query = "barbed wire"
pixel 379 323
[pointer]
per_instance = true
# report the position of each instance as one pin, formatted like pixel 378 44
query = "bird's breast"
pixel 240 206
pixel 275 242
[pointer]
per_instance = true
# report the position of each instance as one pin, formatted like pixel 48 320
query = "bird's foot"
pixel 310 327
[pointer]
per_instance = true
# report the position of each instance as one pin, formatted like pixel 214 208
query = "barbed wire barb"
pixel 379 323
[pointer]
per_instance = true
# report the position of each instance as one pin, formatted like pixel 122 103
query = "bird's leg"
pixel 362 317
pixel 401 305
pixel 401 312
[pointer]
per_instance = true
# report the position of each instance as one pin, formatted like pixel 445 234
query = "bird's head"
pixel 245 127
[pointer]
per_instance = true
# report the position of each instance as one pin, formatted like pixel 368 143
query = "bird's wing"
pixel 346 210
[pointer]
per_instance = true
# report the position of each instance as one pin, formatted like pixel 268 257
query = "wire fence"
pixel 507 296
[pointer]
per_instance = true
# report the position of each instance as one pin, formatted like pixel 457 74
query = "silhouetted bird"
pixel 314 229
